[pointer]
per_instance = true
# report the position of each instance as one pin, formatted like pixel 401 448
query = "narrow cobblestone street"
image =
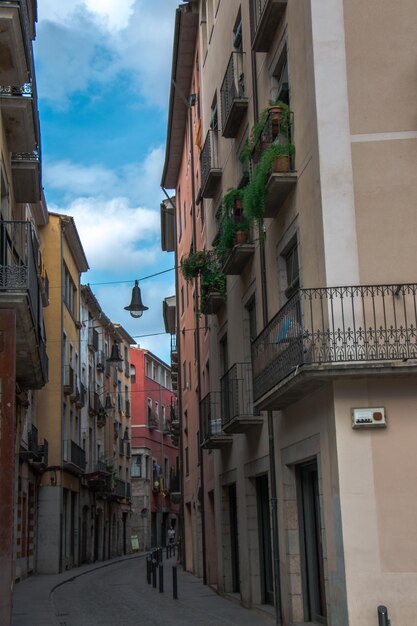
pixel 117 594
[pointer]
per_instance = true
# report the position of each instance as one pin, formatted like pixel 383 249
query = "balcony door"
pixel 265 544
pixel 311 541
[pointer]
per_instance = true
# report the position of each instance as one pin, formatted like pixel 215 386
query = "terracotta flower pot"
pixel 275 113
pixel 281 163
pixel 241 236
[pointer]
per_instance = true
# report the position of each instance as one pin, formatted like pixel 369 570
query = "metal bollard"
pixel 161 578
pixel 148 569
pixel 383 619
pixel 154 573
pixel 174 583
pixel 161 555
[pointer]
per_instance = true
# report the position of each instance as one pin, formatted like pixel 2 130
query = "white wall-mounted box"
pixel 369 417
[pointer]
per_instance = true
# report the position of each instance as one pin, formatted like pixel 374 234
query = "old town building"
pixel 154 468
pixel 296 339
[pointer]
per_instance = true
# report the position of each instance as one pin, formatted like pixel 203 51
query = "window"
pixel 187 462
pixel 149 408
pixel 157 410
pixel 292 269
pixel 69 291
pixel 224 359
pixel 280 82
pixel 163 416
pixel 251 309
pixel 154 371
pixel 132 374
pixel 214 119
pixel 127 399
pixel 189 373
pixel 147 368
pixel 136 469
pixel 182 301
pixel 146 467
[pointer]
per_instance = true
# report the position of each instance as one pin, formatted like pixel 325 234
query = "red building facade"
pixel 155 482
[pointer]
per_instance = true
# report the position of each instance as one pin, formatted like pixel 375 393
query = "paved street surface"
pixel 116 593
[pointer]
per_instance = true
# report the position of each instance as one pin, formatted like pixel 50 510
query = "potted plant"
pixel 213 282
pixel 277 110
pixel 276 156
pixel 192 265
pixel 233 201
pixel 241 233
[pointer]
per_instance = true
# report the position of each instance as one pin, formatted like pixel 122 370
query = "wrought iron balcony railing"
pixel 93 339
pixel 18 261
pixel 212 435
pixel 234 101
pixel 210 164
pixel 120 488
pixel 236 392
pixel 334 326
pixel 33 439
pixel 74 454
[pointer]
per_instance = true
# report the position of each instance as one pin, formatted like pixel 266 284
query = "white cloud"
pixel 115 236
pixel 86 44
pixel 115 14
pixel 140 182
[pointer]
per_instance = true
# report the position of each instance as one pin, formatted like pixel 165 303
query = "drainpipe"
pixel 180 456
pixel 271 440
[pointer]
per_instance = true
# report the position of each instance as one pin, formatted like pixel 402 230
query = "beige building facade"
pixel 311 345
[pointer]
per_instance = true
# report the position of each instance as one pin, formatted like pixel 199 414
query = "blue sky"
pixel 103 70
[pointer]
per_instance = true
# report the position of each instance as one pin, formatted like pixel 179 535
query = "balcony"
pixel 20 118
pixel 74 457
pixel 238 412
pixel 211 171
pixel 120 488
pixel 35 454
pixel 94 404
pixel 93 339
pixel 128 450
pixel 19 290
pixel 82 396
pixel 100 361
pixel 282 178
pixel 99 479
pixel 240 254
pixel 69 380
pixel 234 102
pixel 26 175
pixel 325 333
pixel 265 17
pixel 128 491
pixel 213 435
pixel 127 409
pixel 152 421
pixel 17 31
